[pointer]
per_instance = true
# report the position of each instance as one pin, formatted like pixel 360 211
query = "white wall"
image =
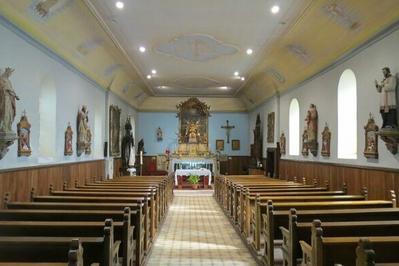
pixel 322 91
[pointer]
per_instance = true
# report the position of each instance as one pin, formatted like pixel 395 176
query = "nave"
pixel 197 232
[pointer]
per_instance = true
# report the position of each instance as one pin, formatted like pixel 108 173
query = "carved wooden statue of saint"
pixel 8 99
pixel 23 128
pixel 84 132
pixel 326 140
pixel 388 104
pixel 128 154
pixel 68 148
pixel 311 129
pixel 282 144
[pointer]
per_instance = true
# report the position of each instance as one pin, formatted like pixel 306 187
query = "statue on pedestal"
pixel 311 129
pixel 84 132
pixel 388 105
pixel 8 99
pixel 128 154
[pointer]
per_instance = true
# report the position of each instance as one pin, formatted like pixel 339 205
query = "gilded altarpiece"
pixel 193 127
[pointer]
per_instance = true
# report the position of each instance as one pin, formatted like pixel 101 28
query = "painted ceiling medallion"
pixel 196 48
pixel 195 83
pixel 300 52
pixel 47 8
pixel 275 74
pixel 89 45
pixel 342 16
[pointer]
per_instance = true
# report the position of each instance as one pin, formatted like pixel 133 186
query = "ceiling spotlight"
pixel 153 71
pixel 142 49
pixel 275 9
pixel 119 4
pixel 236 73
pixel 149 77
pixel 223 88
pixel 249 51
pixel 242 78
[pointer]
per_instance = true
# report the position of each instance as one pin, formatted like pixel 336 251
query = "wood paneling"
pixel 19 182
pixel 235 165
pixel 117 166
pixel 378 181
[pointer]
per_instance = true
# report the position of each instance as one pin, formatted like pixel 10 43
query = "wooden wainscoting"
pixel 235 165
pixel 19 182
pixel 379 181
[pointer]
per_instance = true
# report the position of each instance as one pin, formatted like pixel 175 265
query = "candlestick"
pixel 141 157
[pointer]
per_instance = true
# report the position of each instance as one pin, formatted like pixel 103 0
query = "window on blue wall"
pixel 294 127
pixel 347 116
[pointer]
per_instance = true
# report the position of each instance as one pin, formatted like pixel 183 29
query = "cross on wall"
pixel 228 128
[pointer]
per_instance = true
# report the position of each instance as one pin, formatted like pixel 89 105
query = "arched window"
pixel 347 116
pixel 294 127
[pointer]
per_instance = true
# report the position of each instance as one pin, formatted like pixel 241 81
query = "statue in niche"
pixel 305 139
pixel 371 139
pixel 326 140
pixel 84 132
pixel 311 129
pixel 388 104
pixel 68 148
pixel 8 99
pixel 159 134
pixel 192 131
pixel 128 154
pixel 23 129
pixel 282 144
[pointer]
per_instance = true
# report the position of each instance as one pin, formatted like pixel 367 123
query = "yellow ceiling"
pixel 324 37
pixel 323 32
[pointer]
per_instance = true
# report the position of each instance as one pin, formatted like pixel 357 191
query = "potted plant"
pixel 193 180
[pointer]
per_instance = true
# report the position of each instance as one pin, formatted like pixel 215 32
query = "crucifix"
pixel 228 128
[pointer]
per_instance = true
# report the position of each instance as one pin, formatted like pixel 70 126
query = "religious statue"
pixel 326 140
pixel 140 146
pixel 8 99
pixel 388 105
pixel 282 144
pixel 305 139
pixel 311 129
pixel 192 131
pixel 128 153
pixel 84 132
pixel 68 148
pixel 23 129
pixel 159 134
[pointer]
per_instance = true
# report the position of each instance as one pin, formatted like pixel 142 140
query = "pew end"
pixel 32 194
pixel 393 198
pixel 365 255
pixel 345 187
pixel 6 199
pixel 306 253
pixel 365 193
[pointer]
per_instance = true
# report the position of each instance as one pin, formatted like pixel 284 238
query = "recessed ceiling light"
pixel 242 78
pixel 119 4
pixel 142 49
pixel 153 71
pixel 275 9
pixel 236 73
pixel 249 51
pixel 149 77
pixel 223 88
pixel 162 87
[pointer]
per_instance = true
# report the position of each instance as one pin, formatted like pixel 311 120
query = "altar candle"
pixel 141 157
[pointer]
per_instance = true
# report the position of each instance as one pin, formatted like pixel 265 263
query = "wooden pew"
pixel 85 211
pixel 131 239
pixel 265 215
pixel 371 223
pixel 326 251
pixel 106 253
pixel 24 251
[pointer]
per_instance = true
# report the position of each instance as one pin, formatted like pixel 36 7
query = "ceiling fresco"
pixel 197 46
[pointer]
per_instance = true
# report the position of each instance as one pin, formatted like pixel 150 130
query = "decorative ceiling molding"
pixel 196 48
pixel 300 52
pixel 195 83
pixel 276 74
pixel 342 16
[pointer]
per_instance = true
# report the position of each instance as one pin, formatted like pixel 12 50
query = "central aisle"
pixel 196 232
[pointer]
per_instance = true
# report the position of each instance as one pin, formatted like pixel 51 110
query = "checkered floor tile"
pixel 196 232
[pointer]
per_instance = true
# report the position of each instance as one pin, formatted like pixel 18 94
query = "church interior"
pixel 261 132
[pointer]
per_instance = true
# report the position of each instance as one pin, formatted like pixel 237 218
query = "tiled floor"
pixel 196 232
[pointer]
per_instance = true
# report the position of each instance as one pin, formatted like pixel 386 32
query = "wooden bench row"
pixel 262 211
pixel 133 217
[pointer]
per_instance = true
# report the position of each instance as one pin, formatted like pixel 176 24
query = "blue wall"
pixel 150 121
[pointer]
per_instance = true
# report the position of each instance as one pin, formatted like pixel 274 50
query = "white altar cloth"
pixel 199 172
